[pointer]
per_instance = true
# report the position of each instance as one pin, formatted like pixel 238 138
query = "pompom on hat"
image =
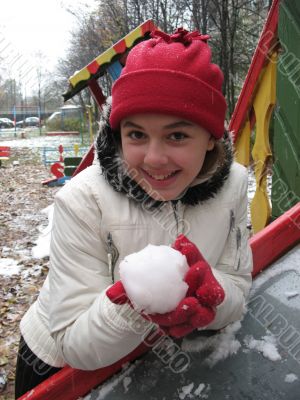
pixel 171 74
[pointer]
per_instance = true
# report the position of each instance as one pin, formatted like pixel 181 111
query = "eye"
pixel 136 135
pixel 178 136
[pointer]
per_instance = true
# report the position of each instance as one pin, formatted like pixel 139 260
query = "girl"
pixel 163 168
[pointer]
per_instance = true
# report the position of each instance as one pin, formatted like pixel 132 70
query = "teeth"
pixel 160 177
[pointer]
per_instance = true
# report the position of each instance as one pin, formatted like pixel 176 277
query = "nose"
pixel 155 154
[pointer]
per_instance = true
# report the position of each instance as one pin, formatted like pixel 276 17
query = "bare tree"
pixel 234 26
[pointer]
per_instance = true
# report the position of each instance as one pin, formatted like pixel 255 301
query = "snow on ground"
pixel 290 263
pixel 266 346
pixel 191 391
pixel 290 378
pixel 108 386
pixel 9 266
pixel 33 140
pixel 185 391
pixel 221 345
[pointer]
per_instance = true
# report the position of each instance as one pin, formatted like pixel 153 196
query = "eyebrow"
pixel 129 124
pixel 178 124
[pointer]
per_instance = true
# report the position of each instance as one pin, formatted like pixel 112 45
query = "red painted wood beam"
pixel 275 239
pixel 266 42
pixel 96 92
pixel 267 246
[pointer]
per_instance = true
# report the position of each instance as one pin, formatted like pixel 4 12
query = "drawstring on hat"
pixel 180 35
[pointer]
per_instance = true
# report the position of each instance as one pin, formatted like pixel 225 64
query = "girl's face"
pixel 164 153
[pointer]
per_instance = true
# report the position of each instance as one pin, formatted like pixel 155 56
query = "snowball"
pixel 154 278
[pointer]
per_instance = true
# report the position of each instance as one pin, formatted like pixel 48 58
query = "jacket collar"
pixel 204 187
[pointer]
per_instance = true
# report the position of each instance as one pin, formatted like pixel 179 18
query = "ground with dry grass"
pixel 22 197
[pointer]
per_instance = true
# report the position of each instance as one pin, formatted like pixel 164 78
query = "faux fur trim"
pixel 114 169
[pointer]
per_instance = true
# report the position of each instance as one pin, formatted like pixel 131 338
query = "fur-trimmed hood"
pixel 205 186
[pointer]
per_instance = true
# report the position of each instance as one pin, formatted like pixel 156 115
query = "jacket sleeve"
pixel 86 326
pixel 233 270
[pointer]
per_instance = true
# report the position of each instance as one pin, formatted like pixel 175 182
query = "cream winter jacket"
pixel 73 322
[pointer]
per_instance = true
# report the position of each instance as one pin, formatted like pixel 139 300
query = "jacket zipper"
pixel 175 212
pixel 112 256
pixel 238 247
pixel 238 238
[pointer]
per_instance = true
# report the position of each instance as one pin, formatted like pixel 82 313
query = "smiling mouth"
pixel 161 177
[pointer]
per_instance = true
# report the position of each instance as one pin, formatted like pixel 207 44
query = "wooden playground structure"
pixel 271 86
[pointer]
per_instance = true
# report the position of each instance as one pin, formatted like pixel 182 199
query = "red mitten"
pixel 201 317
pixel 197 309
pixel 117 294
pixel 184 310
pixel 188 249
pixel 186 317
pixel 204 285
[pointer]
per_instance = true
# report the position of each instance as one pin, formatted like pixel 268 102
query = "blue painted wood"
pixel 114 70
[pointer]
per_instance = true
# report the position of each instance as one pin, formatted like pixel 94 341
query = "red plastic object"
pixel 276 239
pixel 96 92
pixel 4 151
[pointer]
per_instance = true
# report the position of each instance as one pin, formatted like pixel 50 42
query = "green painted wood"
pixel 72 161
pixel 69 171
pixel 286 140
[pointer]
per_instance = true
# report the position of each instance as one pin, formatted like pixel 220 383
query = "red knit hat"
pixel 171 74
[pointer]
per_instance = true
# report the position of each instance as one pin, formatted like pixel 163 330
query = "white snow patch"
pixel 126 382
pixel 266 346
pixel 285 289
pixel 5 250
pixel 290 378
pixel 185 391
pixel 107 387
pixel 199 389
pixel 42 248
pixel 9 267
pixel 288 263
pixel 222 344
pixel 290 295
pixel 154 278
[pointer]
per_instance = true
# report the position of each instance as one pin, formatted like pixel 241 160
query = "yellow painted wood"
pixel 76 149
pixel 242 145
pixel 106 56
pixel 79 76
pixel 263 105
pixel 132 36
